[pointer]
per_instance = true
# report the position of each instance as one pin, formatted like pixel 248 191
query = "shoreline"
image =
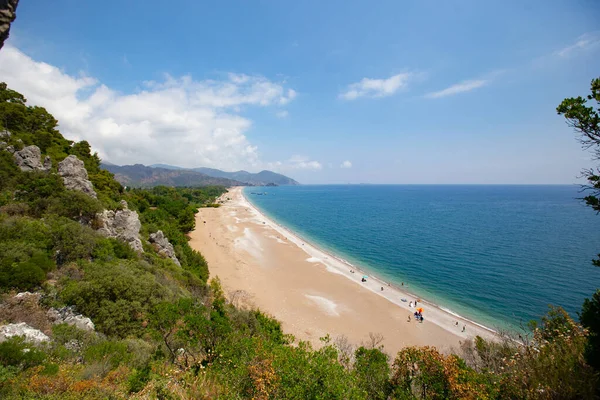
pixel 288 232
pixel 264 265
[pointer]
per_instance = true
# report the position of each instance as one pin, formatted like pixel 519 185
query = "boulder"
pixel 5 134
pixel 75 176
pixel 22 329
pixel 163 246
pixel 29 159
pixel 121 224
pixel 66 315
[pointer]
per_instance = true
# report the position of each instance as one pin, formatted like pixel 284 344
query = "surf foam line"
pixel 342 267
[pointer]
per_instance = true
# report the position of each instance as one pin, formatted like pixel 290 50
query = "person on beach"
pixel 402 283
pixel 464 327
pixel 408 317
pixel 410 304
pixel 382 288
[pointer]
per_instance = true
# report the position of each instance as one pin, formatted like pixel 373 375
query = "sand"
pixel 313 293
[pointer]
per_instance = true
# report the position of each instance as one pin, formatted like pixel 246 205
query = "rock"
pixel 5 133
pixel 66 315
pixel 47 163
pixel 22 329
pixel 163 246
pixel 3 145
pixel 8 14
pixel 29 159
pixel 75 176
pixel 122 224
pixel 10 149
pixel 26 295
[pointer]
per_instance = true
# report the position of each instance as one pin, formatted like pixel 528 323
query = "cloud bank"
pixel 178 120
pixel 368 87
pixel 346 164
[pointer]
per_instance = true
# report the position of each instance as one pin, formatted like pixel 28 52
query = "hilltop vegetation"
pixel 163 330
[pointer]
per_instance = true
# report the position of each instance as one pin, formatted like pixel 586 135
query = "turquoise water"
pixel 496 254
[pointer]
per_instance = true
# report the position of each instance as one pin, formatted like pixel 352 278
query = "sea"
pixel 496 254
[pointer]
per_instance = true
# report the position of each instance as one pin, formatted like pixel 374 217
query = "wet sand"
pixel 261 264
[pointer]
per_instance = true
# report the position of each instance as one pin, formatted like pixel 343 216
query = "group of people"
pixel 418 316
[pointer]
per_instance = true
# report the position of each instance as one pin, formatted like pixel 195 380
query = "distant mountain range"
pixel 139 175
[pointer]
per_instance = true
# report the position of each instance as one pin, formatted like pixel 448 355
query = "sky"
pixel 391 91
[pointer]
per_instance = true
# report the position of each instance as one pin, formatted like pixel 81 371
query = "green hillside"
pixel 163 330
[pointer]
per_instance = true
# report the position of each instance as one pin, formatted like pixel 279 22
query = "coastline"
pixel 328 256
pixel 262 264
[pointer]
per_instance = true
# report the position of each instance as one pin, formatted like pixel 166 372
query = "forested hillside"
pixel 120 306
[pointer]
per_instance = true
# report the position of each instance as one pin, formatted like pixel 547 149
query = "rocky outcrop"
pixel 121 224
pixel 75 176
pixel 163 246
pixel 66 315
pixel 29 159
pixel 5 134
pixel 8 13
pixel 22 329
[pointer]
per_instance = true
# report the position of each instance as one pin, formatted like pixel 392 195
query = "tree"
pixel 586 122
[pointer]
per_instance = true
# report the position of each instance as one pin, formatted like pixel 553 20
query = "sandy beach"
pixel 261 264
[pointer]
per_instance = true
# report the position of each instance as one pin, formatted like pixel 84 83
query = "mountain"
pixel 139 175
pixel 260 179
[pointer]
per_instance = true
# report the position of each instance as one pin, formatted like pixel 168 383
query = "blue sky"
pixel 323 91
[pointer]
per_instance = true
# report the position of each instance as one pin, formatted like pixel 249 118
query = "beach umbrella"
pixel 420 309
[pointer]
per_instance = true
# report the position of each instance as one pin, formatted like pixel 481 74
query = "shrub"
pixel 116 296
pixel 15 352
pixel 372 371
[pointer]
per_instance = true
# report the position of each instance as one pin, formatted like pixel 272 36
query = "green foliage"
pixel 138 379
pixel 585 120
pixel 372 372
pixel 71 241
pixel 590 319
pixel 114 353
pixel 110 249
pixel 15 352
pixel 24 253
pixel 116 296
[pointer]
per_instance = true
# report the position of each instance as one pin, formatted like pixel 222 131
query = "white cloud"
pixel 282 114
pixel 584 42
pixel 302 162
pixel 465 86
pixel 178 121
pixel 346 164
pixel 368 87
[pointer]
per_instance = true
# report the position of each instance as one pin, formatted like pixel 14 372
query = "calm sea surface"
pixel 496 254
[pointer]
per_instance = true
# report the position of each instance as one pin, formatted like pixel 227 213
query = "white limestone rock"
pixel 75 176
pixel 66 315
pixel 22 329
pixel 123 225
pixel 29 159
pixel 163 246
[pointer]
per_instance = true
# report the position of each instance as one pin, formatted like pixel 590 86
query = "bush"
pixel 71 240
pixel 372 371
pixel 116 296
pixel 138 380
pixel 110 249
pixel 15 352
